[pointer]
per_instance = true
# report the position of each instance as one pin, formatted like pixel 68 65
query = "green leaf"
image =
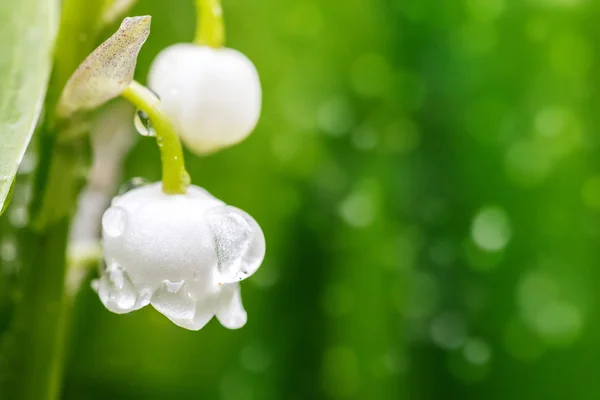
pixel 27 30
pixel 8 197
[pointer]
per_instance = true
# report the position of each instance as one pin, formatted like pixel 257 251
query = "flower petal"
pixel 231 313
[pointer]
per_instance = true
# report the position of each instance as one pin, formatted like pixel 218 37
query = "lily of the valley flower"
pixel 184 254
pixel 212 94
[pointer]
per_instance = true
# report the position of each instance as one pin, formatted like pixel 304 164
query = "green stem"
pixel 175 177
pixel 210 29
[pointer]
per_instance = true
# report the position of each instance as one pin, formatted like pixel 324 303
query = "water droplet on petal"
pixel 145 295
pixel 173 287
pixel 116 291
pixel 133 183
pixel 239 243
pixel 174 301
pixel 114 221
pixel 142 124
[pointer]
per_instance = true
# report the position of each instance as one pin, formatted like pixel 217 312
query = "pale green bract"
pixel 105 73
pixel 27 31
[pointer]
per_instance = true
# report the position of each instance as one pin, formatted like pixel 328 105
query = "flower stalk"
pixel 175 177
pixel 210 28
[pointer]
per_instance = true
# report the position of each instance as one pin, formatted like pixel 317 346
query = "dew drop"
pixel 238 243
pixel 142 124
pixel 133 183
pixel 116 290
pixel 173 287
pixel 449 330
pixel 174 301
pixel 114 221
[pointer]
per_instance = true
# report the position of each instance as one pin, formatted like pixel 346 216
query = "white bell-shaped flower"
pixel 213 95
pixel 184 254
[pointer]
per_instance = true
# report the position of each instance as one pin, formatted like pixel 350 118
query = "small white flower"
pixel 213 95
pixel 184 254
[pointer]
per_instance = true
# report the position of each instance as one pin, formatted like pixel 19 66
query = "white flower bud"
pixel 184 254
pixel 212 95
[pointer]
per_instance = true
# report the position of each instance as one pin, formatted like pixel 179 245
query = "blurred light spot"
pixel 358 209
pixel 371 75
pixel 255 358
pixel 527 163
pixel 560 128
pixel 535 290
pixel 423 296
pixel 337 300
pixel 335 116
pixel 477 351
pixel 521 342
pixel 485 10
pixel 556 321
pixel 236 385
pixel 491 229
pixel 550 121
pixel 18 216
pixel 449 330
pixel 443 252
pixel 571 54
pixel 364 138
pixel 559 323
pixel 341 377
pixel 590 192
pixel 401 136
pixel 8 250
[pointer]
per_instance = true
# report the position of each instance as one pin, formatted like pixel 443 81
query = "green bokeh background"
pixel 426 176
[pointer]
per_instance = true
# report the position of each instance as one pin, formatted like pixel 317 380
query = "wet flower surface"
pixel 184 254
pixel 213 95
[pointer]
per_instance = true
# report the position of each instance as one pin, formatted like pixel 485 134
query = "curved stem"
pixel 210 29
pixel 175 177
